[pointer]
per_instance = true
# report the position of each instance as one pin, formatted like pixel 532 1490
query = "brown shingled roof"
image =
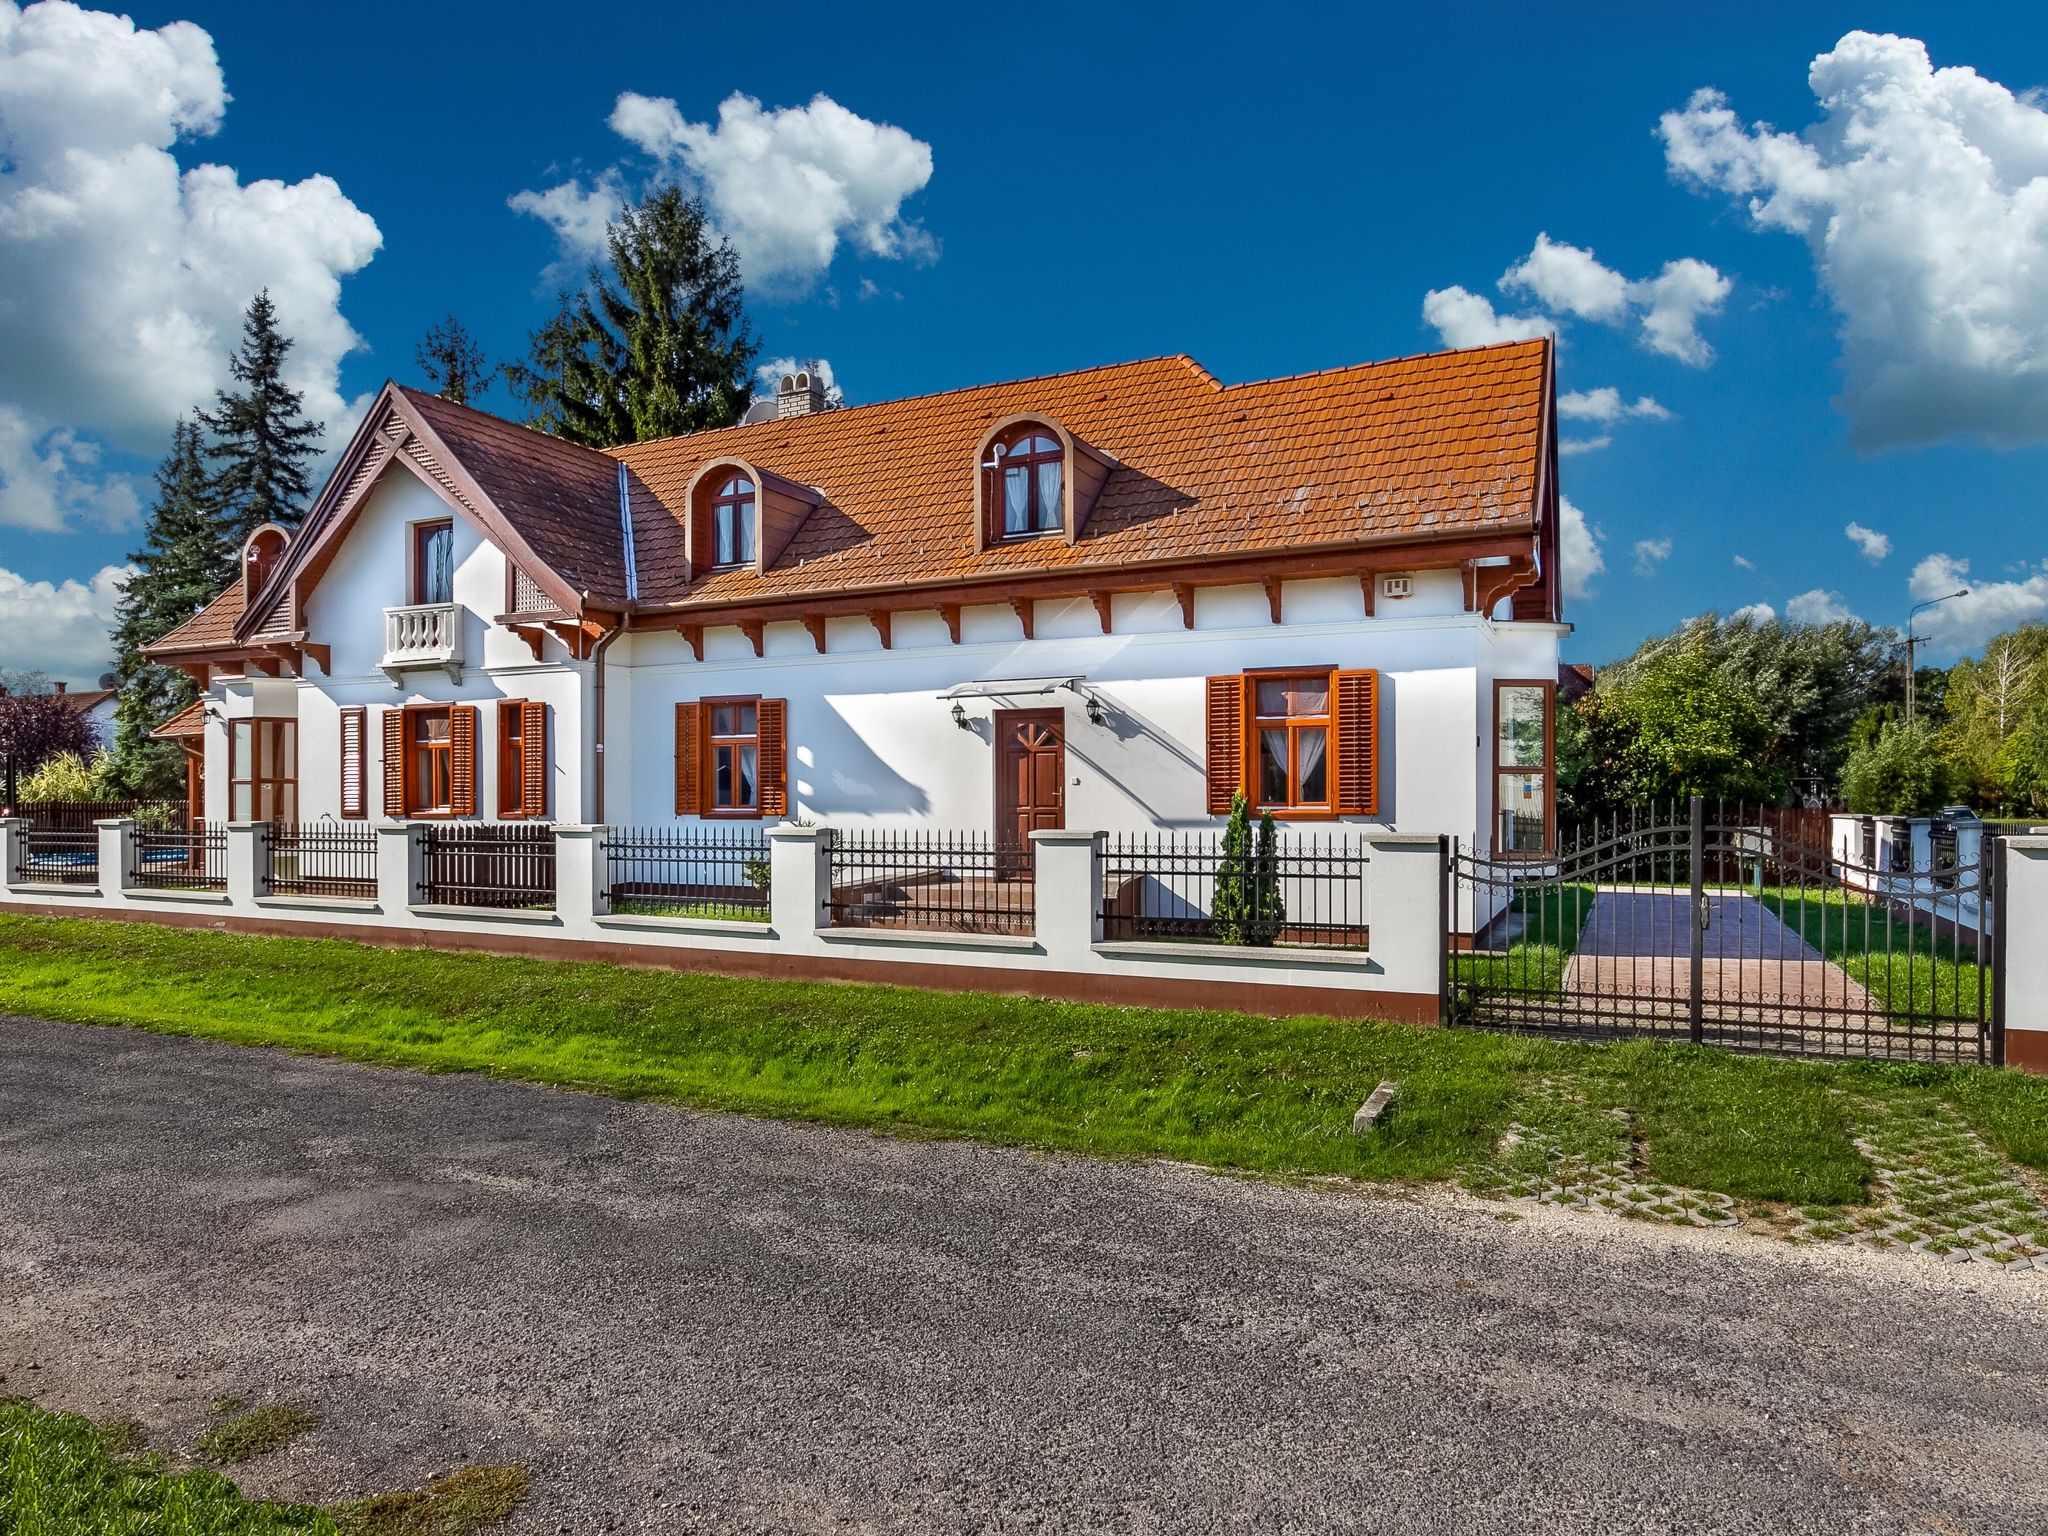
pixel 1446 444
pixel 212 628
pixel 187 722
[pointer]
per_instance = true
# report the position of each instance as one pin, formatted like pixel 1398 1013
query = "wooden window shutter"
pixel 772 721
pixel 533 726
pixel 462 759
pixel 1225 742
pixel 355 789
pixel 394 762
pixel 1358 743
pixel 689 759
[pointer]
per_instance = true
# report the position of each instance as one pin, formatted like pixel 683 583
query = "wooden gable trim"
pixel 814 626
pixel 1104 603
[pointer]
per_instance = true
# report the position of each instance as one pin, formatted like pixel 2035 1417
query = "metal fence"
pixel 79 815
pixel 194 858
pixel 955 882
pixel 477 864
pixel 57 856
pixel 323 858
pixel 688 871
pixel 1303 889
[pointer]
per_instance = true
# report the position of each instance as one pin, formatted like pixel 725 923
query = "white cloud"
pixel 1579 556
pixel 1755 613
pixel 1744 563
pixel 1873 545
pixel 1990 608
pixel 1922 194
pixel 1606 405
pixel 1466 319
pixel 52 480
pixel 1571 445
pixel 1651 553
pixel 1818 607
pixel 787 185
pixel 1568 278
pixel 61 628
pixel 1673 302
pixel 770 373
pixel 126 278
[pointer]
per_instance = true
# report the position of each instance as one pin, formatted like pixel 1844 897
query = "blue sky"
pixel 1268 189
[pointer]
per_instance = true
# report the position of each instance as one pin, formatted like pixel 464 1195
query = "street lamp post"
pixel 1913 643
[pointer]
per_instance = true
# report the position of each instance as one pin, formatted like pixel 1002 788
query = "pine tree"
pixel 178 573
pixel 262 440
pixel 658 348
pixel 453 362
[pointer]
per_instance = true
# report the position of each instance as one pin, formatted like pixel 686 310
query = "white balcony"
pixel 424 635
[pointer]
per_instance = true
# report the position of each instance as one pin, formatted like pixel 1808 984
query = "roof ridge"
pixel 441 401
pixel 1387 362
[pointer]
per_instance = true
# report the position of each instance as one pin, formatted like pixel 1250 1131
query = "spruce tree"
pixel 177 574
pixel 453 362
pixel 262 440
pixel 658 347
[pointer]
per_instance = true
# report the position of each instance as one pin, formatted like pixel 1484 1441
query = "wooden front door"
pixel 1031 773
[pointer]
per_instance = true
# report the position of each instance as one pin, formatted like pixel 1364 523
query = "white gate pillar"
pixel 2022 925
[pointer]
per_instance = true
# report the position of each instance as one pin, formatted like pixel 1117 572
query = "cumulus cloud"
pixel 1818 607
pixel 1873 545
pixel 1922 195
pixel 1578 543
pixel 1651 553
pixel 787 185
pixel 1990 607
pixel 126 277
pixel 61 628
pixel 1606 405
pixel 1569 281
pixel 1571 445
pixel 770 373
pixel 1755 613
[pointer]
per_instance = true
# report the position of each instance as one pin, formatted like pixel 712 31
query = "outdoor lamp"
pixel 960 716
pixel 1097 715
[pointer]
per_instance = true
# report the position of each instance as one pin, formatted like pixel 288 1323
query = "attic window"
pixel 732 522
pixel 1024 483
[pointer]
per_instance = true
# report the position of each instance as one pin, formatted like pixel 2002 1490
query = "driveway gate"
pixel 1735 927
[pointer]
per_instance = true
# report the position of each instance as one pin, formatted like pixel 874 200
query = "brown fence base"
pixel 1286 1001
pixel 2027 1049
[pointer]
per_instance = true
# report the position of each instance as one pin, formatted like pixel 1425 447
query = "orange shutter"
pixel 772 720
pixel 1358 743
pixel 462 755
pixel 533 727
pixel 1226 742
pixel 689 787
pixel 354 780
pixel 394 762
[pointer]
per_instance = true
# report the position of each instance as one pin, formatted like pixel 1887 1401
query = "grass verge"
pixel 241 1436
pixel 1230 1090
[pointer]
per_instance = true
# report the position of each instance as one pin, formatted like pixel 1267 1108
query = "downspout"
pixel 604 641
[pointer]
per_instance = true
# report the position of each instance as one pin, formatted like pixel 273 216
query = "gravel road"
pixel 684 1322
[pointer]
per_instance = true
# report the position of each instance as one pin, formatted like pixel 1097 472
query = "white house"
pixel 1111 598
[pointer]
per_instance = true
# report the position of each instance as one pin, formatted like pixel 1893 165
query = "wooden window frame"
pixel 359 716
pixel 421 533
pixel 1352 744
pixel 709 743
pixel 414 714
pixel 993 502
pixel 721 500
pixel 525 722
pixel 1497 770
pixel 244 731
pixel 1256 723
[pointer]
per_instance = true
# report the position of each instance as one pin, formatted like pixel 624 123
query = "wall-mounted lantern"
pixel 960 716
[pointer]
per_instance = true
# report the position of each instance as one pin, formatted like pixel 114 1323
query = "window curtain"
pixel 1049 508
pixel 1017 499
pixel 1308 748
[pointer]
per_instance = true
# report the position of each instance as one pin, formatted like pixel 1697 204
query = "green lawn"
pixel 1534 963
pixel 1230 1090
pixel 1908 970
pixel 62 1475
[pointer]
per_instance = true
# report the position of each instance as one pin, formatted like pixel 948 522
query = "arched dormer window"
pixel 261 552
pixel 1024 483
pixel 733 523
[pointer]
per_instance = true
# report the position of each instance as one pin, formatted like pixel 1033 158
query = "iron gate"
pixel 1752 929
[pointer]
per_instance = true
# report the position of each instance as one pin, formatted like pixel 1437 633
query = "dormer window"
pixel 732 522
pixel 1025 475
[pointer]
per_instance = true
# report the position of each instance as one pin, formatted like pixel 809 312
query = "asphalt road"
pixel 686 1323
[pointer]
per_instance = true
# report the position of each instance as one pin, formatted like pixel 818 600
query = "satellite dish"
pixel 109 681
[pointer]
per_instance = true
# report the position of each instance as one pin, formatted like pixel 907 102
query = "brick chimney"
pixel 799 394
pixel 62 687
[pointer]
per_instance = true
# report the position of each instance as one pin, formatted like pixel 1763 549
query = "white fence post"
pixel 1067 902
pixel 1404 900
pixel 799 885
pixel 582 876
pixel 11 830
pixel 401 865
pixel 248 857
pixel 116 855
pixel 2022 919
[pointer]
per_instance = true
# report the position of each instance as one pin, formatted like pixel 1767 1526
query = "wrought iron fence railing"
pixel 79 815
pixel 192 859
pixel 323 858
pixel 688 871
pixel 56 856
pixel 489 864
pixel 957 882
pixel 1306 889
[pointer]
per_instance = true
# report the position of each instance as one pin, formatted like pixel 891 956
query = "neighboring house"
pixel 96 706
pixel 1109 598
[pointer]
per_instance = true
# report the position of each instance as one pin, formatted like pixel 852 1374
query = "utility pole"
pixel 1913 644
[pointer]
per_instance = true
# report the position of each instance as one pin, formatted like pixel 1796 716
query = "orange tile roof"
pixel 189 721
pixel 1445 444
pixel 212 628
